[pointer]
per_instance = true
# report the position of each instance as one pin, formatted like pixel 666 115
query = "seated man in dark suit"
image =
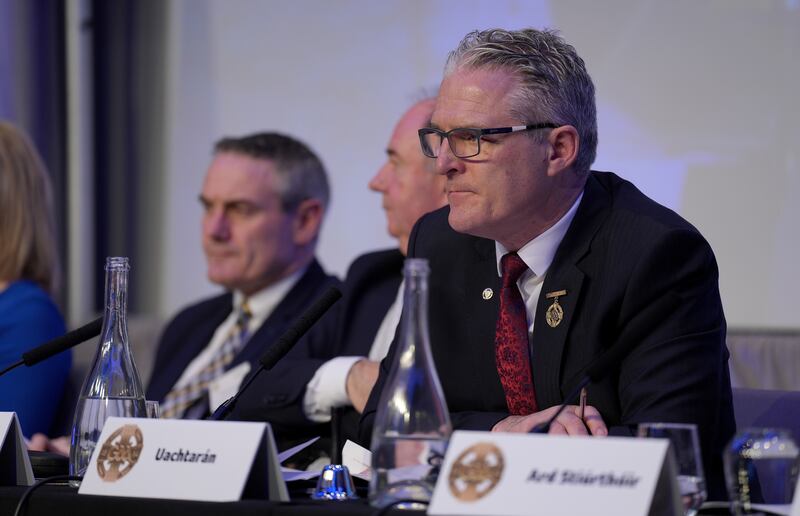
pixel 264 199
pixel 348 343
pixel 539 264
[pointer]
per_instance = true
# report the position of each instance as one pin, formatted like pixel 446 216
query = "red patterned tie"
pixel 511 340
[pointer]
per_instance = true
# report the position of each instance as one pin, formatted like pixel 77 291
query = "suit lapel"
pixel 371 285
pixel 548 341
pixel 481 295
pixel 197 340
pixel 291 306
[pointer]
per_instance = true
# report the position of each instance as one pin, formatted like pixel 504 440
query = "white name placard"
pixel 15 465
pixel 215 461
pixel 527 474
pixel 795 507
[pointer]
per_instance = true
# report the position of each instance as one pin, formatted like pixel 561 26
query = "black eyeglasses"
pixel 465 142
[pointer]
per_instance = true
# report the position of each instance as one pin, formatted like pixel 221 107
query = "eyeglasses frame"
pixel 478 133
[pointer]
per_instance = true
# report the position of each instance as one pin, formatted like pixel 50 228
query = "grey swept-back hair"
pixel 554 84
pixel 300 172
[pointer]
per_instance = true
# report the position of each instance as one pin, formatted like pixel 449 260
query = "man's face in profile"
pixel 247 236
pixel 409 186
pixel 500 193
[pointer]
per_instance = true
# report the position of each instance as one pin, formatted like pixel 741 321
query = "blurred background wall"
pixel 698 106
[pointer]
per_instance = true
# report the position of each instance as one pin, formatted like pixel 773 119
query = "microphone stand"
pixel 272 355
pixel 227 406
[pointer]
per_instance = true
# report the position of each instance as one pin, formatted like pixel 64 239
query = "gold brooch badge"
pixel 554 314
pixel 119 453
pixel 487 294
pixel 476 472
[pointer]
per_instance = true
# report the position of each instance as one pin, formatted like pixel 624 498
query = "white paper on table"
pixel 290 475
pixel 282 456
pixel 357 459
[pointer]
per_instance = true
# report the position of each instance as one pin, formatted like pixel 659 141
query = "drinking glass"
pixel 761 467
pixel 153 409
pixel 685 445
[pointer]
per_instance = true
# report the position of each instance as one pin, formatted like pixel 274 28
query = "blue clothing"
pixel 28 318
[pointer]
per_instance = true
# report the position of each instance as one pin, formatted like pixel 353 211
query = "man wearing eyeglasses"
pixel 539 265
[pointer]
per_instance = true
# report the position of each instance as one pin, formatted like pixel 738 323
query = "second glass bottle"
pixel 412 425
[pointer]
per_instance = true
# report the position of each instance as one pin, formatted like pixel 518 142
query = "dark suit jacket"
pixel 621 254
pixel 191 330
pixel 348 329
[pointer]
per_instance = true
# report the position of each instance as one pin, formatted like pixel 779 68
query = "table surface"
pixel 62 499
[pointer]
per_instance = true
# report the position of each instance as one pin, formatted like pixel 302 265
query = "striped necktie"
pixel 184 401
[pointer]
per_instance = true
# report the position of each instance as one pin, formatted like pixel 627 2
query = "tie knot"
pixel 513 267
pixel 245 308
pixel 243 315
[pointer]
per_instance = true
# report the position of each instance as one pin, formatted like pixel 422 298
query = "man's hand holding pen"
pixel 574 420
pixel 582 404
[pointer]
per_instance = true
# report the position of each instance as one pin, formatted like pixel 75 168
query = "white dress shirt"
pixel 261 305
pixel 538 255
pixel 328 387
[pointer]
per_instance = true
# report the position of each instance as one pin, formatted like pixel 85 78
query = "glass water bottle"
pixel 412 424
pixel 113 386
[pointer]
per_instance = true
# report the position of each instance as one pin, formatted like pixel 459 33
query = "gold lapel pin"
pixel 487 294
pixel 554 314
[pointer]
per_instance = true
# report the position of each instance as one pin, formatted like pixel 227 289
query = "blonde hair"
pixel 27 236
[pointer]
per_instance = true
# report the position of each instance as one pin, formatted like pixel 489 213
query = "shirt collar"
pixel 538 253
pixel 263 302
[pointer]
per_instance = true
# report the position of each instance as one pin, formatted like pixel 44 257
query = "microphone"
pixel 57 345
pixel 604 363
pixel 299 328
pixel 282 346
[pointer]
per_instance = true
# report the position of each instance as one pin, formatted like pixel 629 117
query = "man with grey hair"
pixel 264 198
pixel 539 266
pixel 353 336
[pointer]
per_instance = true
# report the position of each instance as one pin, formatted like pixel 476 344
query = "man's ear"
pixel 307 221
pixel 564 145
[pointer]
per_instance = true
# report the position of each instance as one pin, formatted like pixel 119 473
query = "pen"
pixel 583 402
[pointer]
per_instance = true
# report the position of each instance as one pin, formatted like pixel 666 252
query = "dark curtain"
pixel 128 105
pixel 33 90
pixel 129 96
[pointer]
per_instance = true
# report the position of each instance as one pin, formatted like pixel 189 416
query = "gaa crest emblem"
pixel 476 472
pixel 119 453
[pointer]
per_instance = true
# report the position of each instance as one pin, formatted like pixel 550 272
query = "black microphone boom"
pixel 299 328
pixel 59 344
pixel 283 345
